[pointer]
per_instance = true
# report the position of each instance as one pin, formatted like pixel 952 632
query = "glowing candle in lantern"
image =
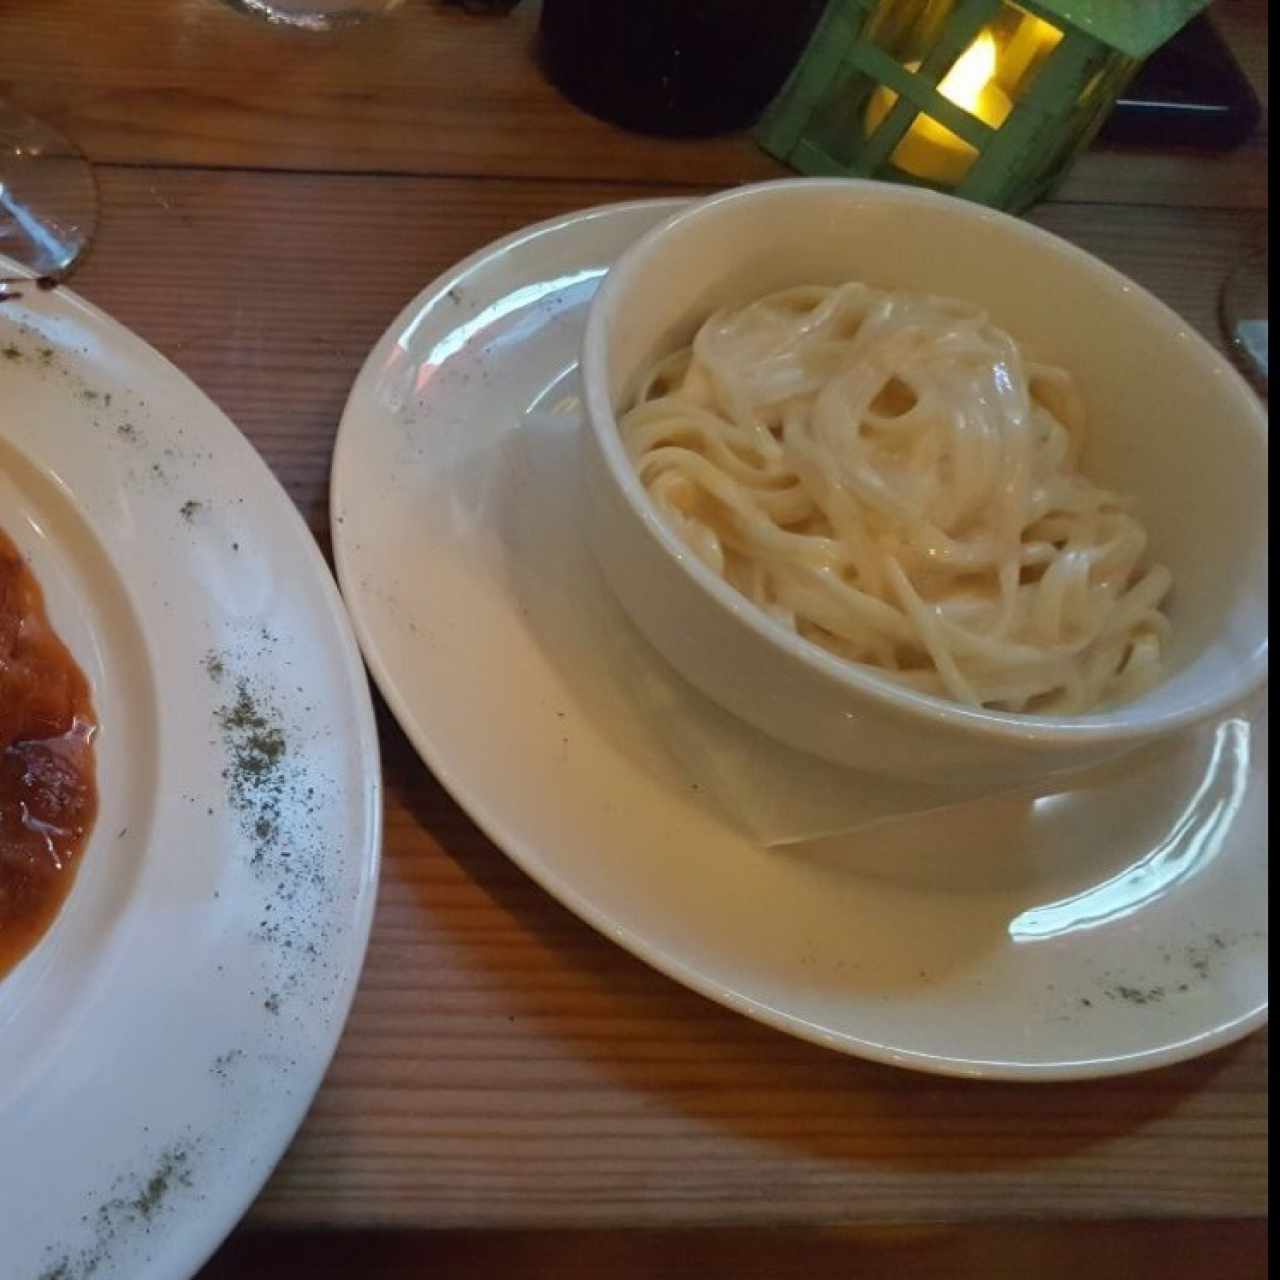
pixel 930 150
pixel 1033 37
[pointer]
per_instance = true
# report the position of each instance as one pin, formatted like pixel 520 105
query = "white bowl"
pixel 1169 420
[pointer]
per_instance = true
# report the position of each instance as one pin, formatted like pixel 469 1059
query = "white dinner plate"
pixel 160 1045
pixel 1081 934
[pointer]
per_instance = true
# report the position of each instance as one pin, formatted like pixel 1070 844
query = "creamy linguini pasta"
pixel 892 477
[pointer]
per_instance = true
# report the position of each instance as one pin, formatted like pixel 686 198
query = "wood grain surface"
pixel 270 201
pixel 432 90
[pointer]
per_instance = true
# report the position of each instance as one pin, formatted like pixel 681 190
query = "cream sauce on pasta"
pixel 893 478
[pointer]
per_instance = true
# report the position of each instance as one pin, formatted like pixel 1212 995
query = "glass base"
pixel 314 15
pixel 48 200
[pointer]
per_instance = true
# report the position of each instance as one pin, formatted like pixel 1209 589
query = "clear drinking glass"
pixel 1243 313
pixel 315 15
pixel 48 200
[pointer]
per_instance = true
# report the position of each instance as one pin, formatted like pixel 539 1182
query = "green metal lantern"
pixel 987 99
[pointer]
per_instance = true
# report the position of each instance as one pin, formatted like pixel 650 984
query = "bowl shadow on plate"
pixel 602 661
pixel 626 692
pixel 730 1074
pixel 996 858
pixel 643 709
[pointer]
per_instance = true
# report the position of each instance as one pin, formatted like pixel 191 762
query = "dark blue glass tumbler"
pixel 674 67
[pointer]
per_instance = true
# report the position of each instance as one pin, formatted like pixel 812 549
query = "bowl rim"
pixel 1116 725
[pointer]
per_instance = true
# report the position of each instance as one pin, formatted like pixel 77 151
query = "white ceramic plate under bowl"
pixel 160 1045
pixel 1094 932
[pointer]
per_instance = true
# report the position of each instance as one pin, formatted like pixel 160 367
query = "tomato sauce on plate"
pixel 48 791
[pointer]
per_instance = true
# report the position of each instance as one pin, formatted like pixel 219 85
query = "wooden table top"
pixel 270 200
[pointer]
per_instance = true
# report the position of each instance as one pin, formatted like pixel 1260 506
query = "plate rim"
pixel 434 755
pixel 195 1245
